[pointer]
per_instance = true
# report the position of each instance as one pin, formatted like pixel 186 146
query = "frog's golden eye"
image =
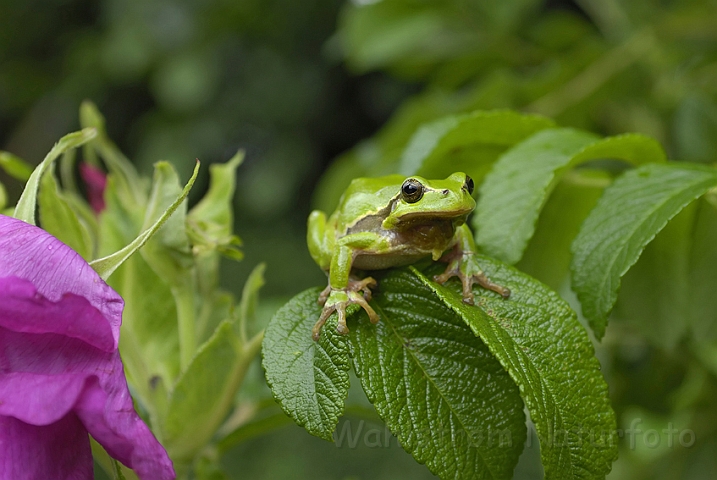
pixel 411 190
pixel 469 185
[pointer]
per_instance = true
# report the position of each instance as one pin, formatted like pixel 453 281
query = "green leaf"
pixel 15 166
pixel 426 151
pixel 204 393
pixel 515 191
pixel 214 211
pixel 309 379
pixel 117 470
pixel 118 225
pixel 149 348
pixel 25 208
pixel 382 154
pixel 3 197
pixel 537 338
pixel 437 387
pixel 60 220
pixel 547 256
pixel 702 270
pixel 695 128
pixel 627 217
pixel 209 469
pixel 383 34
pixel 210 225
pixel 249 301
pixel 655 292
pixel 106 265
pixel 168 251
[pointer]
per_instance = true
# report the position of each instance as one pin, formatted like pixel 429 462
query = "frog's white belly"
pixel 374 261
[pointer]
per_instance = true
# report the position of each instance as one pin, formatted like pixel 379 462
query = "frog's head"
pixel 421 200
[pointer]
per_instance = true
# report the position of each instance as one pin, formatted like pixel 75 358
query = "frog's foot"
pixel 468 271
pixel 336 300
pixel 364 285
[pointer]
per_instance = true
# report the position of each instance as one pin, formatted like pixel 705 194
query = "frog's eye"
pixel 469 185
pixel 411 190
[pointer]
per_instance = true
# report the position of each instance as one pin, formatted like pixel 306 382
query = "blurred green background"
pixel 301 84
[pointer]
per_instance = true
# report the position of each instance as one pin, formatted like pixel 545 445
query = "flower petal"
pixel 42 375
pixel 59 451
pixel 39 399
pixel 106 410
pixel 32 254
pixel 47 376
pixel 51 354
pixel 22 309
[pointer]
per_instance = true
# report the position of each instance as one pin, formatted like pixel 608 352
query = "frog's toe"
pixel 341 327
pixel 364 285
pixel 325 314
pixel 485 282
pixel 324 295
pixel 372 315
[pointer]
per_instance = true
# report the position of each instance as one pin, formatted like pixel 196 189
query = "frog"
pixel 393 221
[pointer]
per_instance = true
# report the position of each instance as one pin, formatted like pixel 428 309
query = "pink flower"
pixel 95 181
pixel 61 375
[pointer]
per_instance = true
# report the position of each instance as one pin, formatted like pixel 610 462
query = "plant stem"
pixel 595 75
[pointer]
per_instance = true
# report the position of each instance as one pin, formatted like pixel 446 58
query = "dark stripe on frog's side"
pixel 372 223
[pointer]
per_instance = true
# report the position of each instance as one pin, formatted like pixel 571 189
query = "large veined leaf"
pixel 537 338
pixel 309 379
pixel 448 378
pixel 437 387
pixel 514 192
pixel 547 256
pixel 627 217
pixel 655 293
pixel 494 130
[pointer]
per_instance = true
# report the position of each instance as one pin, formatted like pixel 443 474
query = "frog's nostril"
pixel 445 192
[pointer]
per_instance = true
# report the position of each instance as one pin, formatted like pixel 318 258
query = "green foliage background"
pixel 300 84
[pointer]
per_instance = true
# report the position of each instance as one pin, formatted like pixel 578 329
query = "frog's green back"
pixel 366 195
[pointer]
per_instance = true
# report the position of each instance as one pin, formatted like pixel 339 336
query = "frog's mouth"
pixel 428 217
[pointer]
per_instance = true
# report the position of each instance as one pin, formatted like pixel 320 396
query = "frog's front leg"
pixel 343 289
pixel 462 264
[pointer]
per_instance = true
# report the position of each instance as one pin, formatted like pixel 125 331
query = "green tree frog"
pixel 388 222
